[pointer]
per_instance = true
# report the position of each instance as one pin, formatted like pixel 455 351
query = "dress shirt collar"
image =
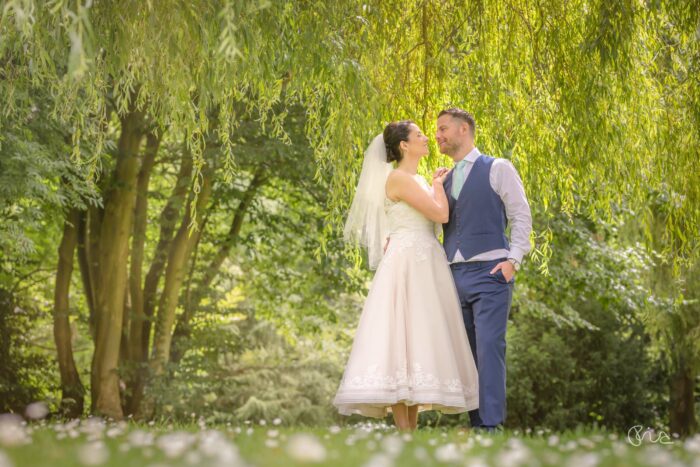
pixel 473 155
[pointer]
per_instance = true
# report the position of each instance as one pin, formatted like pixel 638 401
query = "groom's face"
pixel 451 135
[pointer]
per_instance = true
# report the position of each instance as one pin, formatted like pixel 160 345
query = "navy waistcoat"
pixel 477 221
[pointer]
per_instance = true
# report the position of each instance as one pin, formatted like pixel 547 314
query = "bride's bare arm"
pixel 402 186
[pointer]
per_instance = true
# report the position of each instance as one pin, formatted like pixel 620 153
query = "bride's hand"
pixel 440 174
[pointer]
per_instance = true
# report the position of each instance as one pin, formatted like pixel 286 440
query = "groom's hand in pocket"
pixel 506 268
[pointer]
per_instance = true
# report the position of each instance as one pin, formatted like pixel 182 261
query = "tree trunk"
pixel 95 217
pixel 180 250
pixel 682 403
pixel 181 332
pixel 135 347
pixel 182 329
pixel 113 251
pixel 681 346
pixel 168 220
pixel 230 240
pixel 124 340
pixel 84 264
pixel 72 390
pixel 90 251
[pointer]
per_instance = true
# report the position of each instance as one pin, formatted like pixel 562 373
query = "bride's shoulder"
pixel 396 184
pixel 398 179
pixel 399 176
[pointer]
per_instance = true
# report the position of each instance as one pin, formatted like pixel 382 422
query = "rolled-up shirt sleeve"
pixel 506 182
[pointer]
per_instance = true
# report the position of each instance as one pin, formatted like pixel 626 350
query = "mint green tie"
pixel 458 178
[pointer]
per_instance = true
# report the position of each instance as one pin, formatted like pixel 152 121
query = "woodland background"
pixel 174 178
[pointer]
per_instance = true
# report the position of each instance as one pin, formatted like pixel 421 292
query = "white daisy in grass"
pixel 392 445
pixel 421 454
pixel 448 453
pixel 13 430
pixel 175 444
pixel 217 447
pixel 657 455
pixel 484 442
pixel 589 459
pixel 93 453
pixel 5 461
pixel 569 446
pixel 140 438
pixel 93 428
pixel 115 431
pixel 304 447
pixel 514 454
pixel 36 410
pixel 476 462
pixel 692 445
pixel 380 460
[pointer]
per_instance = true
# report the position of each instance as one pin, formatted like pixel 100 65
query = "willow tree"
pixel 122 71
pixel 593 101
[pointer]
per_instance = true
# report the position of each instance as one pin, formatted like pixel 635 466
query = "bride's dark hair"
pixel 394 133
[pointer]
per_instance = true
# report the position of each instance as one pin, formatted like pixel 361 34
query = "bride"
pixel 411 351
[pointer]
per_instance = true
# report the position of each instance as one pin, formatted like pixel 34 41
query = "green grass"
pixel 96 443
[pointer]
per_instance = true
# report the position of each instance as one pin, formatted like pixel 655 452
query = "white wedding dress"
pixel 410 345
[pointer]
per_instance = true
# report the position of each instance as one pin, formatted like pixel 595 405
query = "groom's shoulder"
pixel 485 158
pixel 498 164
pixel 496 160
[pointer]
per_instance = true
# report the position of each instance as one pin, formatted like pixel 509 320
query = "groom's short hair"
pixel 456 112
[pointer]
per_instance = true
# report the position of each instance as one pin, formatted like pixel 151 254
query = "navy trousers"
pixel 485 300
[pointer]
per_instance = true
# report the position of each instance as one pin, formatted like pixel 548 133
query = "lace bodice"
pixel 405 218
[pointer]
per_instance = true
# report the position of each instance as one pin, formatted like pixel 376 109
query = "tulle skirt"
pixel 411 345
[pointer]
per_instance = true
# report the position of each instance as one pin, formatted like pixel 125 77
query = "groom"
pixel 485 196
